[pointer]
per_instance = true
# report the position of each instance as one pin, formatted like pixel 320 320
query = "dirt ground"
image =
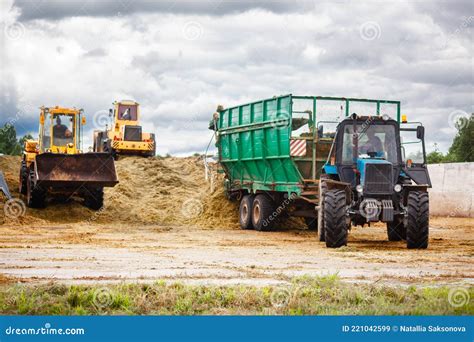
pixel 163 222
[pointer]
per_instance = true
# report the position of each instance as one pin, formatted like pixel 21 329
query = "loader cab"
pixel 125 113
pixel 60 130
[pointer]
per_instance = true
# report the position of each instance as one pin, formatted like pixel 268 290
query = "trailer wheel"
pixel 323 188
pixel 23 178
pixel 335 218
pixel 245 212
pixel 35 195
pixel 418 220
pixel 312 223
pixel 262 213
pixel 94 198
pixel 396 230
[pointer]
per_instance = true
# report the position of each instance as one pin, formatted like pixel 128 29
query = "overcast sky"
pixel 180 59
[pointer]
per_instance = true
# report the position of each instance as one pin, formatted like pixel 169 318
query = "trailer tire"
pixel 312 223
pixel 35 195
pixel 23 178
pixel 396 230
pixel 335 218
pixel 323 188
pixel 262 209
pixel 245 212
pixel 418 220
pixel 94 198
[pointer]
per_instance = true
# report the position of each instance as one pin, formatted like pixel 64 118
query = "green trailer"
pixel 273 151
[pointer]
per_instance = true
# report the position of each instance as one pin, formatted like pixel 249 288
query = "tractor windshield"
pixel 63 128
pixel 127 112
pixel 375 141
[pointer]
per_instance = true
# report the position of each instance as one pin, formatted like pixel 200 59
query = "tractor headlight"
pixel 397 188
pixel 359 188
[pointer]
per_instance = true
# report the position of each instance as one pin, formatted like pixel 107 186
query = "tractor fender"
pixel 333 184
pixel 407 188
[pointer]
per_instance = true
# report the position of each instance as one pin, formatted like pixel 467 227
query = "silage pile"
pixel 164 191
pixel 167 191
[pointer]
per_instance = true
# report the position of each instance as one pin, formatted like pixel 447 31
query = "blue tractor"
pixel 367 178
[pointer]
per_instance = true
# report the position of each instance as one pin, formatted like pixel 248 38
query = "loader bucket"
pixel 75 170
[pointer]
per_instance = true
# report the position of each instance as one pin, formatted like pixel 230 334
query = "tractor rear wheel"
pixel 262 211
pixel 245 212
pixel 418 220
pixel 396 230
pixel 312 223
pixel 335 218
pixel 35 195
pixel 94 198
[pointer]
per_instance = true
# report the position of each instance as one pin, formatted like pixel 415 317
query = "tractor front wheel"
pixel 323 188
pixel 35 195
pixel 23 178
pixel 245 212
pixel 262 213
pixel 335 226
pixel 418 220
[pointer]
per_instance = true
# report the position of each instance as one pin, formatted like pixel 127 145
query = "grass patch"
pixel 304 296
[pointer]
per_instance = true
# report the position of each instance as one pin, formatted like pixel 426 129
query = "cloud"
pixel 50 9
pixel 180 62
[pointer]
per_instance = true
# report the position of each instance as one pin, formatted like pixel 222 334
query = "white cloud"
pixel 180 64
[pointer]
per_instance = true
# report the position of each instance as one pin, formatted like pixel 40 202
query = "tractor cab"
pixel 366 154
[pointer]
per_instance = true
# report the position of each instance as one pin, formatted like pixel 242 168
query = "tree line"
pixel 9 144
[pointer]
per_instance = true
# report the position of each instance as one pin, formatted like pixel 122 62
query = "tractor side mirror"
pixel 420 132
pixel 111 112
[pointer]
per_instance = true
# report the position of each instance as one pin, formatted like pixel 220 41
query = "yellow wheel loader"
pixel 54 165
pixel 125 135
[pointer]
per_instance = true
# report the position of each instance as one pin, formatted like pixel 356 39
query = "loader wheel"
pixel 23 178
pixel 94 198
pixel 335 218
pixel 323 188
pixel 396 230
pixel 418 220
pixel 312 223
pixel 245 212
pixel 262 213
pixel 35 195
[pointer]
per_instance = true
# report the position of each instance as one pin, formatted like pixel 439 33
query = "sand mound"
pixel 169 191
